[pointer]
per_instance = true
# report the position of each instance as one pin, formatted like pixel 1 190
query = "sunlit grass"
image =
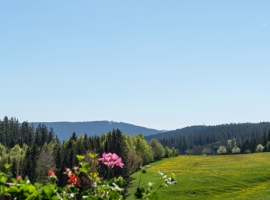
pixel 212 177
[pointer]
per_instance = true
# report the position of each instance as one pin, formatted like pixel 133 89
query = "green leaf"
pixel 47 191
pixel 121 183
pixel 13 189
pixel 84 164
pixel 93 155
pixel 38 185
pixel 54 198
pixel 80 157
pixel 83 169
pixel 28 189
pixel 7 166
pixel 3 180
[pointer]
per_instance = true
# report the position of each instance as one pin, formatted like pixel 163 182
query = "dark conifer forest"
pixel 196 139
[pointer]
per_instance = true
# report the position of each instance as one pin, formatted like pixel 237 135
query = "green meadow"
pixel 243 176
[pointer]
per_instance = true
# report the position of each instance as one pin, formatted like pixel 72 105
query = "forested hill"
pixel 64 129
pixel 201 136
pixel 178 132
pixel 246 129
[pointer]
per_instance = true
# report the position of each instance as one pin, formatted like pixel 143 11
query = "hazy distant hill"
pixel 64 129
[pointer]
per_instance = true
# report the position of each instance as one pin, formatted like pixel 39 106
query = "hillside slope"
pixel 243 176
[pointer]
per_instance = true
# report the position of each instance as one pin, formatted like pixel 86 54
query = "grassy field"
pixel 212 177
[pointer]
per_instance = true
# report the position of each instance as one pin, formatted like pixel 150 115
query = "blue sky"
pixel 157 64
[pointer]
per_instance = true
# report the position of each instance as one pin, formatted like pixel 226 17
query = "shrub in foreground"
pixel 97 188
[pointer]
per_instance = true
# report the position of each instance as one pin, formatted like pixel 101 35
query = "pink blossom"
pixel 111 160
pixel 68 172
pixel 114 156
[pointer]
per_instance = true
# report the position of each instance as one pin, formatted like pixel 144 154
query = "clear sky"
pixel 158 64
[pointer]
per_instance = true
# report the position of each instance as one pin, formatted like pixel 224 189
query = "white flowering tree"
pixel 222 150
pixel 259 148
pixel 236 150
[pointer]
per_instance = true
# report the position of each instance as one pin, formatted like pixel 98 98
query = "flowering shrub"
pixel 222 150
pixel 99 189
pixel 236 150
pixel 259 148
pixel 73 178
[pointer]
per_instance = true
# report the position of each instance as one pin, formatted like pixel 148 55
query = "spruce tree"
pixel 30 162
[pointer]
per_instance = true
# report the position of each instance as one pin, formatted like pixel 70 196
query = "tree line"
pixel 250 145
pixel 34 151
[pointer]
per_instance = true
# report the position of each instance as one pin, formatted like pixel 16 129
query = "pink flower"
pixel 111 160
pixel 114 156
pixel 68 172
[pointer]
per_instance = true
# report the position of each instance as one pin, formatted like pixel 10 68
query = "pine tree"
pixel 30 162
pixel 50 135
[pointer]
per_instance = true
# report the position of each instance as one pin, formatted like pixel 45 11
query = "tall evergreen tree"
pixel 30 162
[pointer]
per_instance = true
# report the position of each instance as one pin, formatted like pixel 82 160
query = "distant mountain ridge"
pixel 64 129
